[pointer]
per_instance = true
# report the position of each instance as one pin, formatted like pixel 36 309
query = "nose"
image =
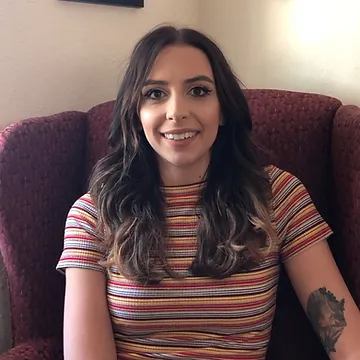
pixel 177 108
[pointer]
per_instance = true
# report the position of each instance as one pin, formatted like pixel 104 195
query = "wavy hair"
pixel 235 228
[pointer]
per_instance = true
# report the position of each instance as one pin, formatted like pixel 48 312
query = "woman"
pixel 175 251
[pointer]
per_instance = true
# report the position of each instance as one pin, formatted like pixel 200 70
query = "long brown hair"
pixel 235 228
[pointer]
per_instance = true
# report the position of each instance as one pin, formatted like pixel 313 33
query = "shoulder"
pixel 282 182
pixel 83 210
pixel 82 244
pixel 290 198
pixel 294 212
pixel 85 203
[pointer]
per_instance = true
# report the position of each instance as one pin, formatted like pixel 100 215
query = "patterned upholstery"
pixel 50 349
pixel 44 164
pixel 296 128
pixel 346 190
pixel 41 167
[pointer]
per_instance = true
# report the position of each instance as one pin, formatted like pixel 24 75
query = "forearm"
pixel 327 301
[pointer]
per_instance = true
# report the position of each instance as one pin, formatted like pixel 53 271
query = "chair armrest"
pixel 41 174
pixel 35 350
pixel 346 195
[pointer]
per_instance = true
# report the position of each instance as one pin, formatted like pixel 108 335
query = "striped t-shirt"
pixel 197 317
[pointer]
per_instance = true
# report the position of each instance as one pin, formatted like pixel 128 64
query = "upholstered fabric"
pixel 5 317
pixel 296 129
pixel 41 167
pixel 36 350
pixel 346 195
pixel 45 163
pixel 285 122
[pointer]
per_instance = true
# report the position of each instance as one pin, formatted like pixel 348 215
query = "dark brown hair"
pixel 235 226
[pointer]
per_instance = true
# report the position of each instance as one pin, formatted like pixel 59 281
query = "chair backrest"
pixel 41 162
pixel 346 195
pixel 296 128
pixel 44 165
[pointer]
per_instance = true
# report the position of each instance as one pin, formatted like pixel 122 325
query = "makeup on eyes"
pixel 204 90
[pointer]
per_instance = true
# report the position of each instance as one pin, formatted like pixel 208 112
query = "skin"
pixel 87 326
pixel 180 96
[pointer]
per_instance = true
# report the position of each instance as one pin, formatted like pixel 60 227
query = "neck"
pixel 183 175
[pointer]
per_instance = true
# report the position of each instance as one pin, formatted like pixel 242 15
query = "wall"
pixel 303 45
pixel 57 55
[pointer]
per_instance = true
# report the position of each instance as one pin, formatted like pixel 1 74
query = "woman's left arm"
pixel 326 300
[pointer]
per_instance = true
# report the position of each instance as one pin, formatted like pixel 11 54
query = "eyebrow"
pixel 187 81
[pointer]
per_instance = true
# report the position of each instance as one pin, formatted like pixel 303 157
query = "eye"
pixel 154 94
pixel 200 91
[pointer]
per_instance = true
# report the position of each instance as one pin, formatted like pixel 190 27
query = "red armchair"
pixel 44 166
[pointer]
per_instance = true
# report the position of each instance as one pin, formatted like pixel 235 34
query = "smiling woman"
pixel 175 250
pixel 127 3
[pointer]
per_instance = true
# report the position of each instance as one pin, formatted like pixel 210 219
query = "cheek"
pixel 210 116
pixel 146 116
pixel 150 122
pixel 149 118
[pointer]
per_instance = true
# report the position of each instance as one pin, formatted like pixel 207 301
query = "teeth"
pixel 180 136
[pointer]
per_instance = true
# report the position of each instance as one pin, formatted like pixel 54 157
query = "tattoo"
pixel 326 314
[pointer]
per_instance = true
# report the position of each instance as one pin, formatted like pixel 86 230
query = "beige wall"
pixel 306 45
pixel 56 55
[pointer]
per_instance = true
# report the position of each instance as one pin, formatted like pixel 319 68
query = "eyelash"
pixel 206 91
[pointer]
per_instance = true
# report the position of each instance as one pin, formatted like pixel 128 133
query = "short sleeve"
pixel 298 222
pixel 81 246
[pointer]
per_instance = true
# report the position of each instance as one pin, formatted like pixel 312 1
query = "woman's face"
pixel 180 110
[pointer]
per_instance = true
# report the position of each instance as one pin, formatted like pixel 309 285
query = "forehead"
pixel 179 62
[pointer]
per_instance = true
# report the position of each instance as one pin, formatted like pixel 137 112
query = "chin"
pixel 179 162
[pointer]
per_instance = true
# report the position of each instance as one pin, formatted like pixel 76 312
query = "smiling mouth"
pixel 177 137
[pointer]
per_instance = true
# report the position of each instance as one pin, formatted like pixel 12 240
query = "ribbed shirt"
pixel 197 317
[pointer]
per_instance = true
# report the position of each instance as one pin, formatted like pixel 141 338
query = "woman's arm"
pixel 87 327
pixel 326 300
